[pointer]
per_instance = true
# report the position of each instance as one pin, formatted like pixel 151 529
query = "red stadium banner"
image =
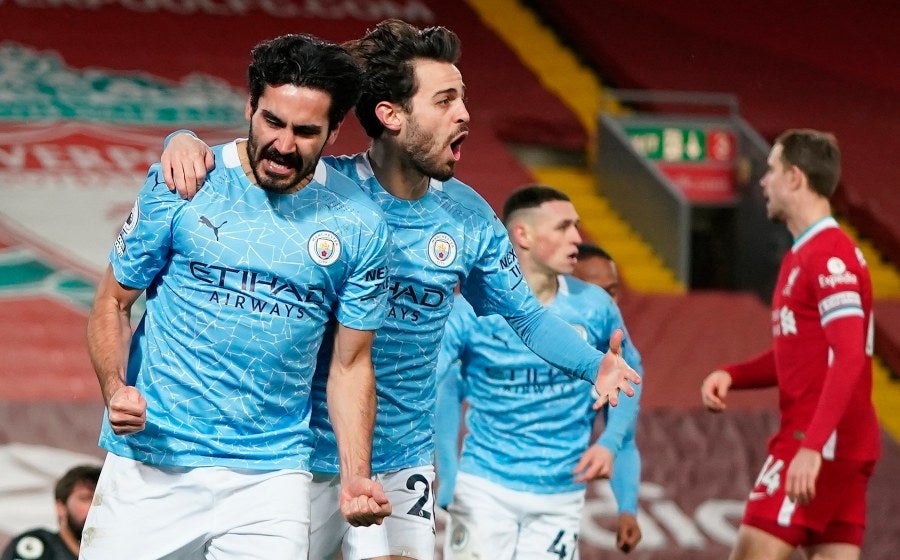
pixel 68 186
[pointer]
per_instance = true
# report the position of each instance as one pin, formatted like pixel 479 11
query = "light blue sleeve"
pixel 142 247
pixel 450 394
pixel 622 418
pixel 621 425
pixel 363 297
pixel 557 343
pixel 618 437
pixel 626 476
pixel 448 417
pixel 175 133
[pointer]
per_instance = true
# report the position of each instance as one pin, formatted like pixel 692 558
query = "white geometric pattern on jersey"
pixel 235 312
pixel 419 302
pixel 529 422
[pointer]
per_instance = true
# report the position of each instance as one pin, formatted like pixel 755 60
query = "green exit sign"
pixel 669 143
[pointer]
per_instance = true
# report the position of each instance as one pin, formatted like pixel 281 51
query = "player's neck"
pixel 394 174
pixel 73 544
pixel 544 283
pixel 807 214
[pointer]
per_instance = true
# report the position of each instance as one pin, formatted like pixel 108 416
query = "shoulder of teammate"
pixel 155 191
pixel 344 164
pixel 589 294
pixel 468 202
pixel 346 188
pixel 371 248
pixel 36 544
pixel 603 314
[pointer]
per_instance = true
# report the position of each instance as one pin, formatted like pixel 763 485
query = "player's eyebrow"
pixel 298 129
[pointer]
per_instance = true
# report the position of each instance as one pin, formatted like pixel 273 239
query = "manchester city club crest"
pixel 442 249
pixel 324 247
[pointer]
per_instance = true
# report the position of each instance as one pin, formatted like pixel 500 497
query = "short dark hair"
pixel 530 196
pixel 816 154
pixel 386 55
pixel 588 250
pixel 66 484
pixel 306 61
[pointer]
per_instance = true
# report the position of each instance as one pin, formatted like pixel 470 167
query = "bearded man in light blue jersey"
pixel 413 109
pixel 208 402
pixel 519 488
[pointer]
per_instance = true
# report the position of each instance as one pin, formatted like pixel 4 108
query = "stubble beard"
pixel 418 149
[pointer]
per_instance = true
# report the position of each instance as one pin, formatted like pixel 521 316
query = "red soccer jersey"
pixel 822 350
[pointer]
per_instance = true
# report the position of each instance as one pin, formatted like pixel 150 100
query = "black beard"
pixel 291 160
pixel 74 526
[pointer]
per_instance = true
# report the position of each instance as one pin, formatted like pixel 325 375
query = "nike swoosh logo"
pixel 757 496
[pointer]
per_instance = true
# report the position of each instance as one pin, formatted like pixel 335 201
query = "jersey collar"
pixel 823 224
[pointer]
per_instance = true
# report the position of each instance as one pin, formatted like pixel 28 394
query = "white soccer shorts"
pixel 408 531
pixel 206 513
pixel 488 520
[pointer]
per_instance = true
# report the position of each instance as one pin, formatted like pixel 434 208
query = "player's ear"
pixel 797 177
pixel 333 134
pixel 518 233
pixel 389 115
pixel 248 110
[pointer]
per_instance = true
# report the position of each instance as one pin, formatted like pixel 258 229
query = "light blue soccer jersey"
pixel 240 284
pixel 449 236
pixel 529 423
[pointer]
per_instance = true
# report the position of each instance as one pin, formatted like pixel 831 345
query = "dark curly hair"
pixel 306 61
pixel 386 55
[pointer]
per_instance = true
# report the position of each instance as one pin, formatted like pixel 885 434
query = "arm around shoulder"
pixel 186 160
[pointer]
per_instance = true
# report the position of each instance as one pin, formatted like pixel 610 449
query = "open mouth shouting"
pixel 279 165
pixel 456 143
